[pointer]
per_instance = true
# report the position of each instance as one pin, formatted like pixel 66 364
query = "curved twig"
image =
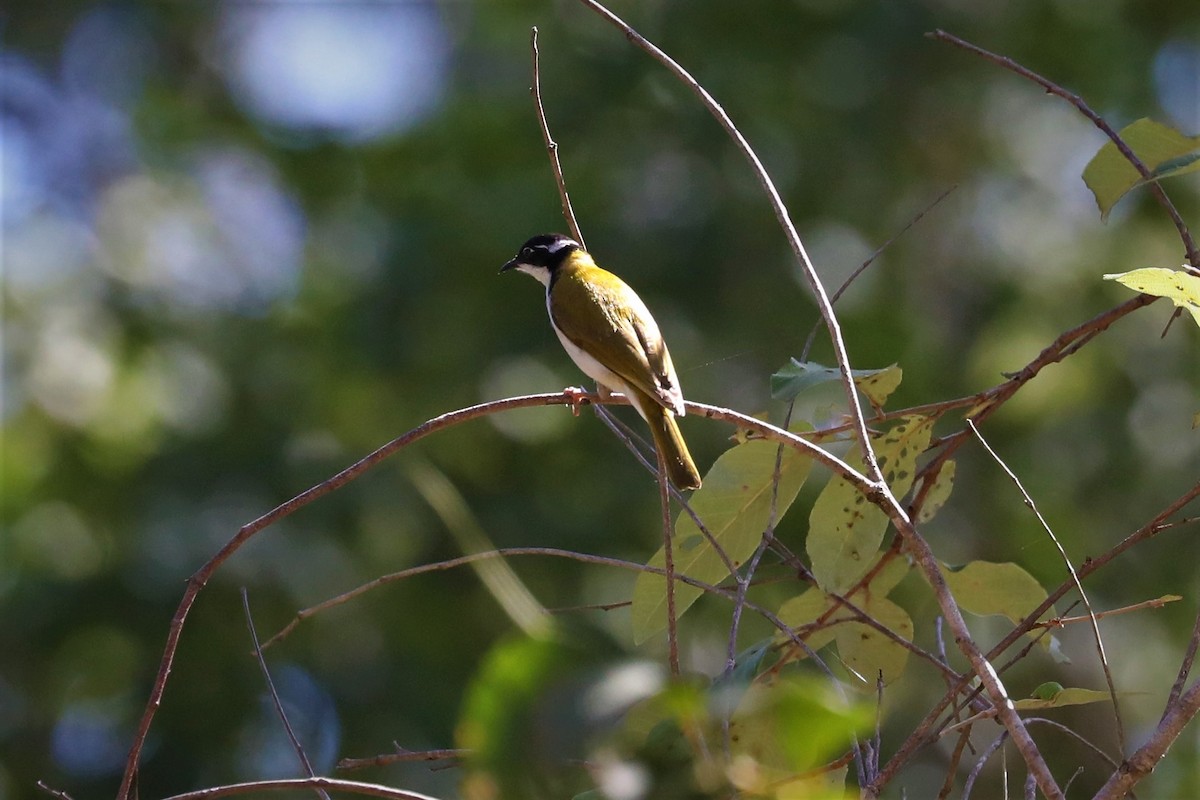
pixel 1087 603
pixel 288 784
pixel 275 699
pixel 565 398
pixel 1189 244
pixel 551 145
pixel 873 487
pixel 664 495
pixel 785 221
pixel 201 577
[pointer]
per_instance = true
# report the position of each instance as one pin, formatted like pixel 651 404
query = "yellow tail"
pixel 669 441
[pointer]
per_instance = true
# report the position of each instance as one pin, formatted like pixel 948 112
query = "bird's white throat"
pixel 541 273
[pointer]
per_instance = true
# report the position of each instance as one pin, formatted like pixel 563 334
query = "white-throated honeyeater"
pixel 609 333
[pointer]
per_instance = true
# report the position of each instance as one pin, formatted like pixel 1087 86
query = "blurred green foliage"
pixel 210 306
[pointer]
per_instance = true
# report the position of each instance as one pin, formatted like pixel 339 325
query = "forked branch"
pixel 876 490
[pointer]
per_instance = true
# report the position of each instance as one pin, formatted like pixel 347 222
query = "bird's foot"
pixel 577 398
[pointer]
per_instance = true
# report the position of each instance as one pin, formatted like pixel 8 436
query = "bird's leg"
pixel 606 393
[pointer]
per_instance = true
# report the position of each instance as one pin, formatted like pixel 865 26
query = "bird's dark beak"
pixel 511 264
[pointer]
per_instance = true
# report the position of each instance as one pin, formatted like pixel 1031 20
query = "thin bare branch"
pixel 279 710
pixel 290 784
pixel 833 298
pixel 1185 668
pixel 201 577
pixel 1146 758
pixel 402 756
pixel 551 145
pixel 669 565
pixel 1028 499
pixel 991 750
pixel 1157 602
pixel 57 793
pixel 874 488
pixel 781 214
pixel 1083 740
pixel 1189 244
pixel 960 746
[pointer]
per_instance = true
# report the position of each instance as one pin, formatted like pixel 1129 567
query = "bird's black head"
pixel 542 254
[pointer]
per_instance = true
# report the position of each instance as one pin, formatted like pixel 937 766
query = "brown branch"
pixel 56 793
pixel 1074 576
pixel 287 725
pixel 785 222
pixel 1083 740
pixel 440 566
pixel 1185 668
pixel 201 577
pixel 921 734
pixel 551 145
pixel 402 756
pixel 668 566
pixel 287 784
pixel 585 558
pixel 1062 622
pixel 868 261
pixel 983 404
pixel 874 488
pixel 1146 757
pixel 1189 244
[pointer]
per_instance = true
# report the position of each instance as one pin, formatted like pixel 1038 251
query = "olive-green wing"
pixel 611 323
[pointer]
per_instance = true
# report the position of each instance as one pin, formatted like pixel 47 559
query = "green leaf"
pixel 735 505
pixel 795 725
pixel 520 681
pixel 939 493
pixel 889 575
pixel 869 652
pixel 845 529
pixel 986 588
pixel 1047 696
pixel 1164 150
pixel 797 376
pixel 861 647
pixel 746 666
pixel 805 610
pixel 1180 287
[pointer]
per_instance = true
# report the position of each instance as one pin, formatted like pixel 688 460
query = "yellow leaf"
pixel 1181 288
pixel 879 384
pixel 939 493
pixel 864 649
pixel 845 529
pixel 805 610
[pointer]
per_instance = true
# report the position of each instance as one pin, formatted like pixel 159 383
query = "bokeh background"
pixel 244 243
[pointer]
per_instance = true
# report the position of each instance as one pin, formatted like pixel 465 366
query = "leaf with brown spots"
pixel 845 529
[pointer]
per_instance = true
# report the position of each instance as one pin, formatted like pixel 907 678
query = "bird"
pixel 610 335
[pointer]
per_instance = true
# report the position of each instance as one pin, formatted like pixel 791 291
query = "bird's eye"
pixel 526 251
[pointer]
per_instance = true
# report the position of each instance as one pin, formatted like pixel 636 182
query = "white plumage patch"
pixel 593 368
pixel 559 244
pixel 541 273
